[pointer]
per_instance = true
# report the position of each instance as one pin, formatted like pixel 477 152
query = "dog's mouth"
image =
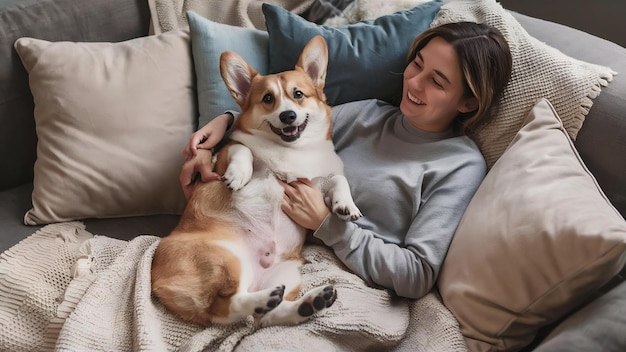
pixel 290 133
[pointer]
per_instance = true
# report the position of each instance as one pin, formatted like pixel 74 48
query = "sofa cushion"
pixel 365 59
pixel 112 120
pixel 94 20
pixel 539 71
pixel 538 238
pixel 208 40
pixel 599 326
pixel 600 141
pixel 15 202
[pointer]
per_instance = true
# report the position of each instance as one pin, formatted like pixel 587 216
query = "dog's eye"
pixel 298 94
pixel 268 98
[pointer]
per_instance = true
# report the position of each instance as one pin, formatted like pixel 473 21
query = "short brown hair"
pixel 486 65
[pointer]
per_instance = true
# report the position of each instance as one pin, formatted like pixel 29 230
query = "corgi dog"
pixel 234 253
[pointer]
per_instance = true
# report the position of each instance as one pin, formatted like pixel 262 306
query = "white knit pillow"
pixel 539 71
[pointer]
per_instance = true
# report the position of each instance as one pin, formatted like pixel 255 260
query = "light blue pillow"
pixel 366 59
pixel 208 40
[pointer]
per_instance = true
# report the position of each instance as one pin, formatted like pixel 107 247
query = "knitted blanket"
pixel 63 288
pixel 169 15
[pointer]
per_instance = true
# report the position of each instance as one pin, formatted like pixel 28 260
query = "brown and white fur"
pixel 234 252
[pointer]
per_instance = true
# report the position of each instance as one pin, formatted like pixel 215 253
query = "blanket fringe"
pixel 83 276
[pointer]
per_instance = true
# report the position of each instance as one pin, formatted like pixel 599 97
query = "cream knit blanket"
pixel 168 15
pixel 64 289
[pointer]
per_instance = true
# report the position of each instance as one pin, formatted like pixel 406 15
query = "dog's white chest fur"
pixel 308 160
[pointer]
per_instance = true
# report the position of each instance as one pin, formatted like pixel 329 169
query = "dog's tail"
pixel 195 278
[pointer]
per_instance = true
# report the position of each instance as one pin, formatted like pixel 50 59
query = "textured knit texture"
pixel 107 306
pixel 539 71
pixel 168 15
pixel 40 283
pixel 362 10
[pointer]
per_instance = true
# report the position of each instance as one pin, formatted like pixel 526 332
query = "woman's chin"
pixel 408 107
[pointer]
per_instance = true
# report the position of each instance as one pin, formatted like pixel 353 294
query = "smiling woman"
pixel 412 169
pixel 472 92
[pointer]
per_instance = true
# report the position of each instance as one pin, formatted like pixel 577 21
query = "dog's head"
pixel 288 107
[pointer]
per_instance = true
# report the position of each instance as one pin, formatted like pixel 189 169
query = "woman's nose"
pixel 417 82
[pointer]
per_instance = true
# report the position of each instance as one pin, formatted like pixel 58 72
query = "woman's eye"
pixel 417 64
pixel 297 94
pixel 268 98
pixel 437 84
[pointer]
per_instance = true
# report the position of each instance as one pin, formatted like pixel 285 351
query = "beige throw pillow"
pixel 537 239
pixel 539 71
pixel 112 120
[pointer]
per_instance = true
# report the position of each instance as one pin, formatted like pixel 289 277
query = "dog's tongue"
pixel 290 130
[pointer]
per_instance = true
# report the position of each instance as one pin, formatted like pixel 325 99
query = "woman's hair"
pixel 486 65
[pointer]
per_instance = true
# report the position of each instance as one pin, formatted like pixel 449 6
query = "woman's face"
pixel 433 91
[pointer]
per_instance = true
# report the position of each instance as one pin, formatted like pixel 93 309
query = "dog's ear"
pixel 314 60
pixel 237 75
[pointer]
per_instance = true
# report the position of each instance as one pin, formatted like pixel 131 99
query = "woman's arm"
pixel 409 268
pixel 198 156
pixel 209 135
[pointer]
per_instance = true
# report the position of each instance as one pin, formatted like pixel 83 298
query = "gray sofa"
pixel 596 326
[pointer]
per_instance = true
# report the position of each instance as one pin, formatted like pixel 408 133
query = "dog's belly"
pixel 269 233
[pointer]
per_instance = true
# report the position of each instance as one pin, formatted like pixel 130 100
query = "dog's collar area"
pixel 290 133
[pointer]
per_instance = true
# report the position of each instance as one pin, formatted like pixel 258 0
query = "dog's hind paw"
pixel 274 299
pixel 316 300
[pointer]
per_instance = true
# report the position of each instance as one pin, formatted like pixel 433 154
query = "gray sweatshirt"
pixel 412 187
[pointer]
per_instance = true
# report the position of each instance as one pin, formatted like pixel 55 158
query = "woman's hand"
pixel 208 136
pixel 304 203
pixel 200 166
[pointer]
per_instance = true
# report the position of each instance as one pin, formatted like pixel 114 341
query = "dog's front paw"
pixel 236 176
pixel 346 210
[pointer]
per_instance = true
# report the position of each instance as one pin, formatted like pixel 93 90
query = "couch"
pixel 597 323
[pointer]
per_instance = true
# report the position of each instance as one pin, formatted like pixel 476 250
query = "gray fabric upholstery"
pixel 93 20
pixel 601 141
pixel 599 326
pixel 16 201
pixel 13 204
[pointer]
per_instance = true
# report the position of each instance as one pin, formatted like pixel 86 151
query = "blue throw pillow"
pixel 208 40
pixel 366 59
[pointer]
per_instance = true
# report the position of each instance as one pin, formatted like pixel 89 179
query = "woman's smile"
pixel 414 99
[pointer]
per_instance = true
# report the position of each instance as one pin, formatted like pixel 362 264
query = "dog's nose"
pixel 287 117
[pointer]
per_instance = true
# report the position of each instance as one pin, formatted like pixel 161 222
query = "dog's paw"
pixel 346 210
pixel 274 298
pixel 316 300
pixel 237 176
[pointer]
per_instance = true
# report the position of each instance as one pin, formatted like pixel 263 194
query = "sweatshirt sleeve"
pixel 410 268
